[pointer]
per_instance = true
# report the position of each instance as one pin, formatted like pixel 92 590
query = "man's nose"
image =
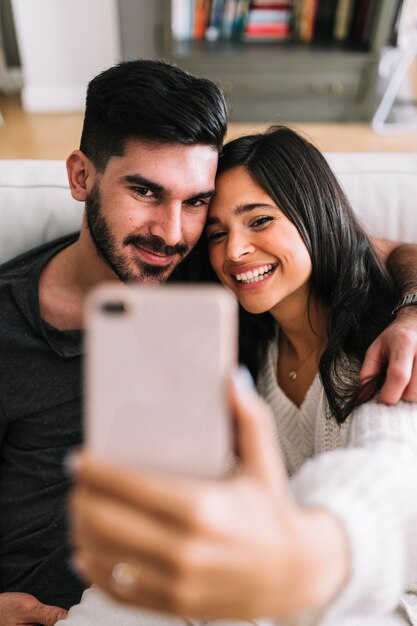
pixel 168 224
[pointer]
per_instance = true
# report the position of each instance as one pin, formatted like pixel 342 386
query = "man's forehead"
pixel 167 165
pixel 157 148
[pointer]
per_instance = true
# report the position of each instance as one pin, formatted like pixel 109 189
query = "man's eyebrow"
pixel 240 209
pixel 204 194
pixel 135 179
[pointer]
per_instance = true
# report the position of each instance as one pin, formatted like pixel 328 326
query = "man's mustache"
pixel 156 244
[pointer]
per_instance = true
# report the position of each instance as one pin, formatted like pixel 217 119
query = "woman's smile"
pixel 254 275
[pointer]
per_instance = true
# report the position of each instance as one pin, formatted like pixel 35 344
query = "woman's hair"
pixel 347 276
pixel 151 101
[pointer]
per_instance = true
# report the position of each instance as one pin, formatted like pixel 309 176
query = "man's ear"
pixel 81 175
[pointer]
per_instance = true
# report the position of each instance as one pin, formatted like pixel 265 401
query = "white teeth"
pixel 255 276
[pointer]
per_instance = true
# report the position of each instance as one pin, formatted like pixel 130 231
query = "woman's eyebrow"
pixel 212 220
pixel 246 208
pixel 242 208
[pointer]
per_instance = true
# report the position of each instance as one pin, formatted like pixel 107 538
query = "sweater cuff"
pixel 367 494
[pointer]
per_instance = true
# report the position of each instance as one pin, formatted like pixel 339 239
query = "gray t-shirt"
pixel 40 421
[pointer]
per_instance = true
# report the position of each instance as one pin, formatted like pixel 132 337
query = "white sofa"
pixel 36 205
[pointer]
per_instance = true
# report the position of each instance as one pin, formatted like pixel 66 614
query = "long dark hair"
pixel 347 275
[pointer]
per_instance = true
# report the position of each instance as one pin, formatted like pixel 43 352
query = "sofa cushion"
pixel 36 204
pixel 382 188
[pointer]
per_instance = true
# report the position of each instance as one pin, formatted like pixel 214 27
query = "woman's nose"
pixel 238 246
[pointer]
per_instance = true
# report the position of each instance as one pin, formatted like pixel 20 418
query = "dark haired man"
pixel 145 171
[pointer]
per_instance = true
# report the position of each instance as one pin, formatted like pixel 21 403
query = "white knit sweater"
pixel 365 473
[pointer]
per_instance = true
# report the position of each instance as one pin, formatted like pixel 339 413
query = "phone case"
pixel 157 364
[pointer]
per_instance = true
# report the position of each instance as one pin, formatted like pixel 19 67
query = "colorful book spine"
pixel 182 19
pixel 214 26
pixel 343 18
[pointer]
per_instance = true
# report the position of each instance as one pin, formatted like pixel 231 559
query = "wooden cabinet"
pixel 269 82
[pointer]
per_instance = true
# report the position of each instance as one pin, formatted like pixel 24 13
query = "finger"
pixel 373 362
pixel 410 393
pixel 137 583
pixel 48 615
pixel 102 524
pixel 166 496
pixel 256 433
pixel 399 373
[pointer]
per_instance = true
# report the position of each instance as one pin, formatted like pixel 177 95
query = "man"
pixel 145 171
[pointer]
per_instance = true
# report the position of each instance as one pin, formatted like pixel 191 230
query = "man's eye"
pixel 144 192
pixel 197 202
pixel 261 221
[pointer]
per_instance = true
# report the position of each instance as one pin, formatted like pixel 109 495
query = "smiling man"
pixel 145 171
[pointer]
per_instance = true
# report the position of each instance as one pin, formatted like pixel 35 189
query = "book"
pixel 182 19
pixel 241 16
pixel 343 18
pixel 307 17
pixel 272 32
pixel 214 25
pixel 201 11
pixel 268 21
pixel 324 20
pixel 229 16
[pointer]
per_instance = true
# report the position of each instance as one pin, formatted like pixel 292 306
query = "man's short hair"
pixel 152 101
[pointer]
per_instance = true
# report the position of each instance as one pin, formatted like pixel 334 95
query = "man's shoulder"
pixel 24 262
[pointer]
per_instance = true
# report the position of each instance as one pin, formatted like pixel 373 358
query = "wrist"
pixel 408 301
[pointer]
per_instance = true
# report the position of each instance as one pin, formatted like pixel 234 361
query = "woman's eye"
pixel 216 236
pixel 261 221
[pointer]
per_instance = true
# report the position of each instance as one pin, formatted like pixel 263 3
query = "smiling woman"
pixel 278 206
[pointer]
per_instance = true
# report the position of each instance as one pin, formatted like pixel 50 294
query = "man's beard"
pixel 105 243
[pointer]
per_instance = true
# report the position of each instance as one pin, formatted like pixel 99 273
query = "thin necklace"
pixel 294 372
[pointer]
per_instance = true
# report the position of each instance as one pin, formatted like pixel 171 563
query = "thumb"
pixel 256 435
pixel 48 615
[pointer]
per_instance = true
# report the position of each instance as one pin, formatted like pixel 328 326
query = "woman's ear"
pixel 81 173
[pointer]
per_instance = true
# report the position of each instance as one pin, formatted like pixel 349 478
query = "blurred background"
pixel 342 71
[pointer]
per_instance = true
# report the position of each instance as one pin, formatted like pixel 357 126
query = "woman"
pixel 341 541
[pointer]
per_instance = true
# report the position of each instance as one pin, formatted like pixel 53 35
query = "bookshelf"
pixel 288 80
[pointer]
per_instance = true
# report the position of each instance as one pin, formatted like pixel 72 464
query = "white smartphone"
pixel 156 369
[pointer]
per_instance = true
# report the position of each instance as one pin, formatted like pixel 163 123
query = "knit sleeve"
pixel 371 487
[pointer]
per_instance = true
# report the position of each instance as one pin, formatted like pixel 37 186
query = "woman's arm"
pixel 371 487
pixel 397 345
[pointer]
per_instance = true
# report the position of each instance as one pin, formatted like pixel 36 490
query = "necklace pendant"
pixel 293 375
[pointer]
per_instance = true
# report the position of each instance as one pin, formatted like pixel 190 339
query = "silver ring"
pixel 125 576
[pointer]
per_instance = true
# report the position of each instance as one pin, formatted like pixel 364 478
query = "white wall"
pixel 63 44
